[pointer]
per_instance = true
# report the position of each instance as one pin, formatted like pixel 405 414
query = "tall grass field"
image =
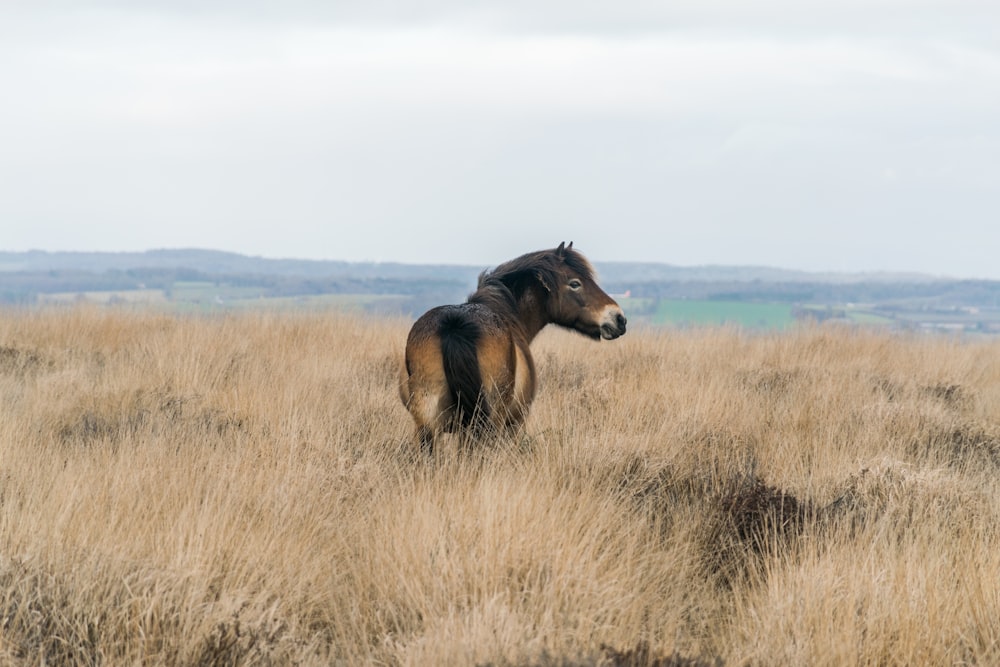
pixel 243 490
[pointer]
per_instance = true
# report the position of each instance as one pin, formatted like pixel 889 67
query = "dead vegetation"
pixel 242 490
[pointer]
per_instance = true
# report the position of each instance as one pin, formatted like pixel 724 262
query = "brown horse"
pixel 468 367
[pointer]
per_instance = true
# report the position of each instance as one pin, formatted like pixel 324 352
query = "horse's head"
pixel 576 302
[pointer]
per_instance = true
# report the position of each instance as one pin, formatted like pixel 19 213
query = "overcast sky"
pixel 840 135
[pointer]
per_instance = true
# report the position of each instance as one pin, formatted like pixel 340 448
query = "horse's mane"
pixel 501 289
pixel 536 267
pixel 497 297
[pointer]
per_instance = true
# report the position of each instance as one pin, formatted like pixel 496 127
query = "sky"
pixel 847 135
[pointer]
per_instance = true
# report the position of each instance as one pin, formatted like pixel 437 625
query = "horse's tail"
pixel 459 336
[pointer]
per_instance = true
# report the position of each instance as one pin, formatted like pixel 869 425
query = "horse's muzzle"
pixel 614 328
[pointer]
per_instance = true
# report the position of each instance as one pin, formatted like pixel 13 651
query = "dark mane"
pixel 542 266
pixel 497 297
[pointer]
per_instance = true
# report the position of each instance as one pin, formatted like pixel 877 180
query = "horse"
pixel 468 368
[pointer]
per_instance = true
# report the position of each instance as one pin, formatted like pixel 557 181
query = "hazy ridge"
pixel 221 262
pixel 757 297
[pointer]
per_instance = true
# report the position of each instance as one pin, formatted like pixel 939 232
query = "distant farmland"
pixel 710 313
pixel 757 299
pixel 206 296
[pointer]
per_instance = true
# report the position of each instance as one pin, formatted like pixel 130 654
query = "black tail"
pixel 459 336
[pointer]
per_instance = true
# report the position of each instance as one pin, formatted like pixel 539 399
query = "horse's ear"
pixel 561 250
pixel 570 246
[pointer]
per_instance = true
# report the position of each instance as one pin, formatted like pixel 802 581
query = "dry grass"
pixel 242 490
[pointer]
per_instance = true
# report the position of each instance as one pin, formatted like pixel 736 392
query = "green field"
pixel 711 313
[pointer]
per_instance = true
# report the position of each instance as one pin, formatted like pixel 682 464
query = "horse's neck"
pixel 532 313
pixel 529 313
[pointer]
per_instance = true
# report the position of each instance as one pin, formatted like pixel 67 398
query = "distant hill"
pixel 756 297
pixel 654 272
pixel 215 262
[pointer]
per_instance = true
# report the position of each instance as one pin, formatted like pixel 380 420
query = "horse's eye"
pixel 575 284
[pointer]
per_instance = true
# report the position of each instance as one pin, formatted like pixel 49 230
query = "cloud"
pixel 765 124
pixel 968 21
pixel 188 71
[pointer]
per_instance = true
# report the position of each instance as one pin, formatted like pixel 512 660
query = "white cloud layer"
pixel 844 136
